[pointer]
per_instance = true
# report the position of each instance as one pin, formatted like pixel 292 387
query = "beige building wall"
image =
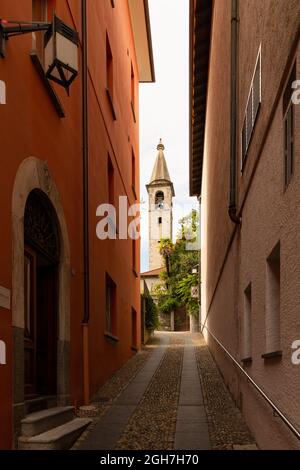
pixel 233 257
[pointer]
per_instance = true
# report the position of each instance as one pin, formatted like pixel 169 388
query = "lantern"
pixel 61 53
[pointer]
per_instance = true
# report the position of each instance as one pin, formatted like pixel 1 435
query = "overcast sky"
pixel 164 108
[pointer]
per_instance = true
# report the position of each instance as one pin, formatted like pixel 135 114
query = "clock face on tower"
pixel 160 205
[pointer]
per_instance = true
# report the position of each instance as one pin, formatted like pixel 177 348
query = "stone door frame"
pixel 34 174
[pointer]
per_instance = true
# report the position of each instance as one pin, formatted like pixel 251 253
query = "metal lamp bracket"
pixel 16 28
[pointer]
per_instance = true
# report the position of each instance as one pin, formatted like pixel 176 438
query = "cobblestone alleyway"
pixel 169 396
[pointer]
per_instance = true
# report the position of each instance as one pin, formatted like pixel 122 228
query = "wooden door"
pixel 46 321
pixel 40 333
pixel 30 323
pixel 41 260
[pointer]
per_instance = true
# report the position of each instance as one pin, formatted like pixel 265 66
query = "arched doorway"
pixel 41 261
pixel 33 177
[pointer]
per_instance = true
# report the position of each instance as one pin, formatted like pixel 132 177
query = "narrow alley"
pixel 169 396
pixel 150 230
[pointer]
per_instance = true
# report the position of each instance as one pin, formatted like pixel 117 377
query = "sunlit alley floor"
pixel 169 396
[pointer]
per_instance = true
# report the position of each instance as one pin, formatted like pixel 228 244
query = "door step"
pixel 42 421
pixel 59 438
pixel 40 403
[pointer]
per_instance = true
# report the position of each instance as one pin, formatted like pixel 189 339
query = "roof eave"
pixel 140 20
pixel 200 26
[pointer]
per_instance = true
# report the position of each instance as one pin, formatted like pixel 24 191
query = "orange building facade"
pixel 69 302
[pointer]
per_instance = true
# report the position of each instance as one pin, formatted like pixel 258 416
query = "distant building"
pixel 245 165
pixel 69 302
pixel 161 193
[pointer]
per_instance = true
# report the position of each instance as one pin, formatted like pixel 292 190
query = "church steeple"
pixel 161 193
pixel 160 171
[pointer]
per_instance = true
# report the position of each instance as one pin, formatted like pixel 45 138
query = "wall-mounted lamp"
pixel 61 47
pixel 61 53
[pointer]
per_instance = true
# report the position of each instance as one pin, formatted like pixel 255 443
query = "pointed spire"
pixel 160 170
pixel 160 145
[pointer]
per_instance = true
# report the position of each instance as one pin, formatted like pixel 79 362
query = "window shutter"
pixel 289 90
pixel 257 89
pixel 252 108
pixel 288 139
pixel 244 140
pixel 288 122
pixel 249 117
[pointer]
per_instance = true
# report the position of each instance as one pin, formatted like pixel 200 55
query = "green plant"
pixel 166 248
pixel 184 288
pixel 151 312
pixel 168 304
pixel 177 279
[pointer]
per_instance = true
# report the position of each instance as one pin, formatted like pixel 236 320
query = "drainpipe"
pixel 233 126
pixel 85 157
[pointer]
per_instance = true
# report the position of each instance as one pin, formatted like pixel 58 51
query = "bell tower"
pixel 161 193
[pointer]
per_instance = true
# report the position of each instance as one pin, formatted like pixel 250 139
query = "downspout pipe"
pixel 232 210
pixel 85 162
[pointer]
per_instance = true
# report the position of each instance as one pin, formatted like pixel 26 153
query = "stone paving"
pixel 152 425
pixel 191 427
pixel 169 396
pixel 110 391
pixel 227 427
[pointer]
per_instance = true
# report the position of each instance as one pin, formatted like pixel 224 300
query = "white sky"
pixel 164 109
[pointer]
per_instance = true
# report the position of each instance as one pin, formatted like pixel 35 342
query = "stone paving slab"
pixel 118 414
pixel 191 414
pixel 192 441
pixel 191 426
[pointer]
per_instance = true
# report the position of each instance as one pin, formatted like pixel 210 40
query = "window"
pixel 133 329
pixel 159 220
pixel 288 122
pixel 110 78
pixel 252 108
pixel 133 174
pixel 133 242
pixel 159 200
pixel 110 181
pixel 133 93
pixel 247 323
pixel 109 69
pixel 273 303
pixel 110 306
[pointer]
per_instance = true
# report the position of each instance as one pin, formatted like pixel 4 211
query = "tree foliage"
pixel 151 313
pixel 177 278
